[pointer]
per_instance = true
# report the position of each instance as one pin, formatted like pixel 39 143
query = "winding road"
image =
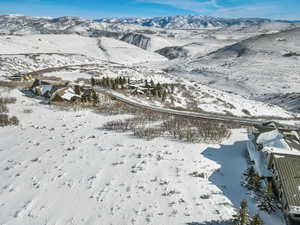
pixel 187 114
pixel 194 115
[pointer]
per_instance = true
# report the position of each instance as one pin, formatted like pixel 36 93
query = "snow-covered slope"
pixel 262 64
pixel 93 48
pixel 14 64
pixel 59 167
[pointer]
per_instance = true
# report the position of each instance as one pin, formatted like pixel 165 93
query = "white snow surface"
pixel 69 94
pixel 273 139
pixel 99 48
pixel 72 172
pixel 70 76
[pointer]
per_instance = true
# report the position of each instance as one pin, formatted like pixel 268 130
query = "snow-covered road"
pixel 210 116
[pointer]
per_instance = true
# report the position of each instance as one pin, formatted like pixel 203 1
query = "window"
pixel 297 215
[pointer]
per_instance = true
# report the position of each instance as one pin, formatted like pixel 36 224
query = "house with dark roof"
pixel 286 179
pixel 275 154
pixel 46 88
pixel 21 77
pixel 264 142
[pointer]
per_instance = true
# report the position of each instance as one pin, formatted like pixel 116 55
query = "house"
pixel 66 94
pixel 46 88
pixel 76 94
pixel 286 179
pixel 275 154
pixel 21 77
pixel 263 142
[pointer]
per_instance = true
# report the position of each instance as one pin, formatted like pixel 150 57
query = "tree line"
pixel 148 88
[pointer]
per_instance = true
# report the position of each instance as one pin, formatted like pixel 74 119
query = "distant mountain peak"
pixel 185 21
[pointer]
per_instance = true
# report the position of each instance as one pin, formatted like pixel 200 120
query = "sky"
pixel 93 9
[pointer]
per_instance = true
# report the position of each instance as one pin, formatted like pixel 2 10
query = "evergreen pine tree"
pixel 242 217
pixel 256 220
pixel 95 97
pixel 37 92
pixel 159 93
pixel 110 82
pixel 107 82
pixel 154 92
pixel 158 86
pixel 172 88
pixel 77 90
pixel 164 96
pixel 267 202
pixel 152 84
pixel 93 81
pixel 113 84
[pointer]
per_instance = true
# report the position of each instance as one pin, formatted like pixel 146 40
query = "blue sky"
pixel 91 9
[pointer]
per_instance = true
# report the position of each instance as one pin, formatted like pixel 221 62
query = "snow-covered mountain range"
pixel 18 24
pixel 186 21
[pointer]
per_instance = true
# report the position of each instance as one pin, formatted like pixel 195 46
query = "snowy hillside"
pixel 19 51
pixel 17 24
pixel 262 64
pixel 60 167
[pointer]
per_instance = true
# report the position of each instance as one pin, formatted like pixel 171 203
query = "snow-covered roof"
pixel 273 140
pixel 279 142
pixel 69 94
pixel 45 88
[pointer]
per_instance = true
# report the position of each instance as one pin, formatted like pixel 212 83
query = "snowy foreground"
pixel 59 167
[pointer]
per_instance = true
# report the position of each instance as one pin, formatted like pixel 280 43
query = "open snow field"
pixel 101 48
pixel 59 167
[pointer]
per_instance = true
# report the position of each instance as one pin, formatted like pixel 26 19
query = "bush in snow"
pixel 5 120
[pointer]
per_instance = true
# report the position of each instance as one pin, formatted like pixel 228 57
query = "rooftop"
pixel 288 167
pixel 277 140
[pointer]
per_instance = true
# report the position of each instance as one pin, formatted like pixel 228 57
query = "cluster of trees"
pixel 87 95
pixel 158 90
pixel 243 217
pixel 265 195
pixel 113 83
pixel 253 180
pixel 149 88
